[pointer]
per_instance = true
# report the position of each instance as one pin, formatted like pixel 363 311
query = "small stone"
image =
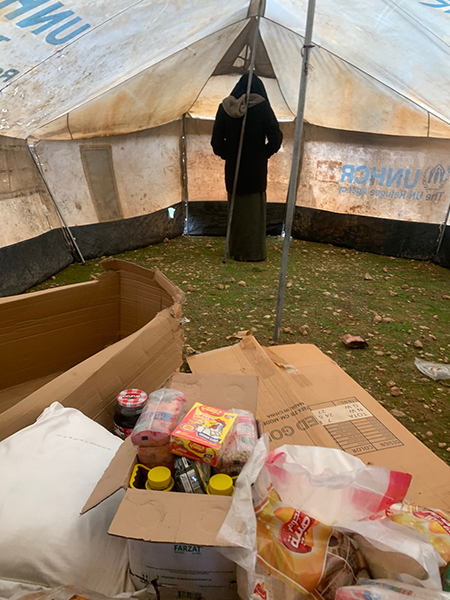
pixel 304 329
pixel 418 344
pixel 445 297
pixel 287 330
pixel 429 433
pixel 190 350
pixel 368 277
pixel 424 327
pixel 405 286
pixel 242 283
pixel 394 357
pixel 220 286
pixel 388 319
pixel 326 293
pixel 379 352
pixel 436 317
pixel 377 319
pixel 391 293
pixel 396 392
pixel 208 246
pixel 426 406
pixel 390 384
pixel 232 280
pixel 385 269
pixel 53 277
pixel 397 413
pixel 442 444
pixel 267 317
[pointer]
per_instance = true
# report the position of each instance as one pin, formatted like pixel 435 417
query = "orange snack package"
pixel 432 523
pixel 202 434
pixel 309 556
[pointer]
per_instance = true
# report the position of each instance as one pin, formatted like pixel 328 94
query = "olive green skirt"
pixel 248 227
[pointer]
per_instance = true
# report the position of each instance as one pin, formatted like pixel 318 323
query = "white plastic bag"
pixel 325 485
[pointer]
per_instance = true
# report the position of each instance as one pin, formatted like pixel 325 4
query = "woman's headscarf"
pixel 257 87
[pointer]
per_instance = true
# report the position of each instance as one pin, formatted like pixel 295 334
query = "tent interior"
pixel 107 110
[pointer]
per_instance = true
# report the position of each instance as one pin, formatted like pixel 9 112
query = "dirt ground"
pixel 400 307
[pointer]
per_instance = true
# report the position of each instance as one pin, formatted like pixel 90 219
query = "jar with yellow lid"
pixel 220 485
pixel 159 479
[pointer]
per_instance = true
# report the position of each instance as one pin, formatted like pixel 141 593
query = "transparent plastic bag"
pixel 163 411
pixel 240 446
pixel 388 590
pixel 437 371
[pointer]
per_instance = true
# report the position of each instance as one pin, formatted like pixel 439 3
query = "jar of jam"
pixel 129 406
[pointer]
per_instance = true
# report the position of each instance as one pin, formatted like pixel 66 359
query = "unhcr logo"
pixel 400 184
pixel 435 178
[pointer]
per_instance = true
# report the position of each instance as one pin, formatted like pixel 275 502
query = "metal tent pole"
pixel 442 229
pixel 184 171
pixel 71 240
pixel 241 139
pixel 293 180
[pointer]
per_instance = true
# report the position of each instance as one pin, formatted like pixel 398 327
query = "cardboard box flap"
pixel 161 517
pixel 115 264
pixel 218 390
pixel 115 477
pixel 282 401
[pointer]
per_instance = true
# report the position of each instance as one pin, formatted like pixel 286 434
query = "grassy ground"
pixel 401 307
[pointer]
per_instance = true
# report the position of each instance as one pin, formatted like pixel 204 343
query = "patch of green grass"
pixel 328 292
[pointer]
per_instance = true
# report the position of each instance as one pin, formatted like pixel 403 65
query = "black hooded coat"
pixel 262 136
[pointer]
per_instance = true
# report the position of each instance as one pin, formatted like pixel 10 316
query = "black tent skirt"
pixel 248 227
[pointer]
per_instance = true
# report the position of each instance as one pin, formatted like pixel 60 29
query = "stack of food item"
pixel 197 451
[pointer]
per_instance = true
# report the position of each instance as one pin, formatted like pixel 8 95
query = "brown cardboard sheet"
pixel 349 416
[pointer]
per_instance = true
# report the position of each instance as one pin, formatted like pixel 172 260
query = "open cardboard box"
pixel 172 535
pixel 81 344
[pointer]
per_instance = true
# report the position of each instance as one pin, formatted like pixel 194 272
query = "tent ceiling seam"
pixel 346 61
pixel 420 24
pixel 127 80
pixel 91 29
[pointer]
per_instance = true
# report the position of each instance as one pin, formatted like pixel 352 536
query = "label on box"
pixel 354 428
pixel 183 570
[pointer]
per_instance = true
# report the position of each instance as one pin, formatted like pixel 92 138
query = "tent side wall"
pixel 377 193
pixel 32 245
pixel 114 194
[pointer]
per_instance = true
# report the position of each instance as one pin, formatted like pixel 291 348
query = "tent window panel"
pixel 18 173
pixel 99 172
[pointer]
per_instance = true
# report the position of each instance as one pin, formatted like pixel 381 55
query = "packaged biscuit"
pixel 203 433
pixel 432 523
pixel 310 558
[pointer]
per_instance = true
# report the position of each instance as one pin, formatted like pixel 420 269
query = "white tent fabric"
pixel 86 69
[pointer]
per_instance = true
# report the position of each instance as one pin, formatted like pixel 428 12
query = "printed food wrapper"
pixel 434 524
pixel 203 433
pixel 303 552
pixel 322 492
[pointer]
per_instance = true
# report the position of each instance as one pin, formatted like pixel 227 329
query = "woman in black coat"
pixel 262 139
